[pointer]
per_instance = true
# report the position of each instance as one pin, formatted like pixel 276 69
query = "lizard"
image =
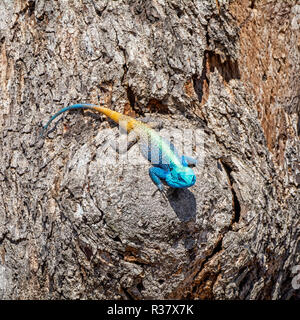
pixel 166 163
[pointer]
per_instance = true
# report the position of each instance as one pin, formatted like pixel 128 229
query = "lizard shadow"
pixel 183 202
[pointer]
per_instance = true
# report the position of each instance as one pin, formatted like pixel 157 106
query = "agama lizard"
pixel 167 164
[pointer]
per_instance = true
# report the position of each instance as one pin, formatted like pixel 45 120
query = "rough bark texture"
pixel 72 228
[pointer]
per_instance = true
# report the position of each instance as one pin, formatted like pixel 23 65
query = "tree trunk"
pixel 73 226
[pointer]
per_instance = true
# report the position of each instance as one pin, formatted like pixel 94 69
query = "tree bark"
pixel 73 227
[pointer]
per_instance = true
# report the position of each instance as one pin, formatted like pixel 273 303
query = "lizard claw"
pixel 162 191
pixel 41 133
pixel 164 200
pixel 164 194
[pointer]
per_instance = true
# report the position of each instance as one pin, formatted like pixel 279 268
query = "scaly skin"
pixel 167 164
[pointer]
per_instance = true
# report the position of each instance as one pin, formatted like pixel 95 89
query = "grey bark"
pixel 71 227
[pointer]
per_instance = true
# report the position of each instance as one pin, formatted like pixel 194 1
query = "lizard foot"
pixel 162 192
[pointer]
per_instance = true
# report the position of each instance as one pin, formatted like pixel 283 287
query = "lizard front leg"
pixel 156 174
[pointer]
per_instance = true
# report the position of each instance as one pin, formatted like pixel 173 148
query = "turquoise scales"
pixel 166 163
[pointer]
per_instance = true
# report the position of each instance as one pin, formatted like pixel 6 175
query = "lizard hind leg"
pixel 124 142
pixel 188 161
pixel 154 124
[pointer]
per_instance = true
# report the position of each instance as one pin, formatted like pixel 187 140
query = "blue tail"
pixel 74 106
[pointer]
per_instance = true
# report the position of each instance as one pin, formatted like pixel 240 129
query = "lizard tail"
pixel 115 116
pixel 74 106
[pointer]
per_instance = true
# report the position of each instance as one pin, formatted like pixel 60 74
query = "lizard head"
pixel 181 177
